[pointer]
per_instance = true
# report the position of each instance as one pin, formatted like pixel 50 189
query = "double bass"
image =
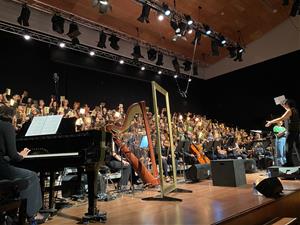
pixel 199 153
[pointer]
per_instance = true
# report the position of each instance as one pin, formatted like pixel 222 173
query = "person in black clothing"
pixel 291 114
pixel 8 153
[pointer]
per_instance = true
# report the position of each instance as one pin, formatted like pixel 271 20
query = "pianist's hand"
pixel 24 152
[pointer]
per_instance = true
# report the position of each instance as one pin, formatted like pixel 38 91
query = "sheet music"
pixel 279 100
pixel 43 125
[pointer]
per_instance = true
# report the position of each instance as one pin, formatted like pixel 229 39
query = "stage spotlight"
pixel 176 65
pixel 73 30
pixel 102 40
pixel 137 52
pixel 232 51
pixel 182 28
pixel 175 27
pixel 103 2
pixel 104 6
pixel 214 47
pixel 23 19
pixel 92 53
pixel 143 68
pixel 160 59
pixel 160 17
pixel 222 40
pixel 175 76
pixel 295 8
pixel 166 9
pixel 75 41
pixel 145 14
pixel 58 23
pixel 207 29
pixel 121 61
pixel 114 42
pixel 187 65
pixel 152 54
pixel 190 80
pixel 239 54
pixel 188 19
pixel 197 37
pixel 190 30
pixel 62 44
pixel 159 72
pixel 27 37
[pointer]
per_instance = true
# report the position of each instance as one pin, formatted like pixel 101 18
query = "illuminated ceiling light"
pixel 188 19
pixel 103 2
pixel 62 44
pixel 145 14
pixel 160 17
pixel 26 37
pixel 159 72
pixel 121 61
pixel 114 42
pixel 166 9
pixel 207 29
pixel 143 68
pixel 190 80
pixel 175 76
pixel 102 40
pixel 232 51
pixel 160 59
pixel 58 23
pixel 92 53
pixel 23 19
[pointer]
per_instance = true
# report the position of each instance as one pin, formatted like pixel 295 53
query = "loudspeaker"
pixel 198 172
pixel 250 165
pixel 270 187
pixel 228 172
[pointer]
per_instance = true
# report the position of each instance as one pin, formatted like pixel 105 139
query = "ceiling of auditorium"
pixel 253 18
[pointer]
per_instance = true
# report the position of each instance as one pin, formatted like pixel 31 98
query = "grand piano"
pixel 51 153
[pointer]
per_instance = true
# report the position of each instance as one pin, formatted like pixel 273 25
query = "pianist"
pixel 8 152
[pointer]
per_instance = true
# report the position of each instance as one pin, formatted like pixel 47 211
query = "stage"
pixel 207 204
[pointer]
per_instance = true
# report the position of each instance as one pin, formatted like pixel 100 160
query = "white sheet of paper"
pixel 279 100
pixel 43 125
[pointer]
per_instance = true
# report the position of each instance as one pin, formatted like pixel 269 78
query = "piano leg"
pixel 51 190
pixel 93 213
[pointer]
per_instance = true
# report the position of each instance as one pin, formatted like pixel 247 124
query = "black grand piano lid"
pixel 66 126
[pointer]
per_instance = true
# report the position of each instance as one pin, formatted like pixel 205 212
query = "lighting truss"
pixel 45 38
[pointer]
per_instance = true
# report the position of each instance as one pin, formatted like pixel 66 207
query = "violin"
pixel 198 152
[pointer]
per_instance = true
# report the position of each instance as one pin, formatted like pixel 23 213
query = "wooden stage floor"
pixel 207 204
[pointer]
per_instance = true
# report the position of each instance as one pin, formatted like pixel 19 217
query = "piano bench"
pixel 10 202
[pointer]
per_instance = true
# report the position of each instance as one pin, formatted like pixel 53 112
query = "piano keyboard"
pixel 51 155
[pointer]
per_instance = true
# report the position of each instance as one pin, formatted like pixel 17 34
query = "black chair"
pixel 11 205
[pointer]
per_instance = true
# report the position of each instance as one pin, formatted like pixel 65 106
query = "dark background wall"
pixel 243 98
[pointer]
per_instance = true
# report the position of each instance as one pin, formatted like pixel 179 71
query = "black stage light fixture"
pixel 166 9
pixel 104 6
pixel 145 14
pixel 102 40
pixel 183 28
pixel 175 26
pixel 23 19
pixel 197 37
pixel 232 51
pixel 176 65
pixel 137 52
pixel 214 47
pixel 160 59
pixel 207 29
pixel 295 8
pixel 188 19
pixel 187 65
pixel 152 53
pixel 58 23
pixel 75 41
pixel 222 40
pixel 239 54
pixel 73 30
pixel 114 42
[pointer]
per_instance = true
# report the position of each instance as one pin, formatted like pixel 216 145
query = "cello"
pixel 198 152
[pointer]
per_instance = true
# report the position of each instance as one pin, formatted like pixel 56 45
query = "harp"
pixel 138 166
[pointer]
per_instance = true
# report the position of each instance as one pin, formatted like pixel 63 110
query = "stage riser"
pixel 286 206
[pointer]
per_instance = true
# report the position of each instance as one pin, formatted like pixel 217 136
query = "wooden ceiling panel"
pixel 252 17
